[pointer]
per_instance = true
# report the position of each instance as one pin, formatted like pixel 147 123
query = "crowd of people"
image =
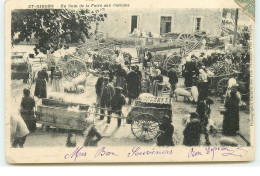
pixel 121 85
pixel 196 74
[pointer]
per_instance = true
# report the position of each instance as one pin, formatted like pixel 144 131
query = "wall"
pixel 118 23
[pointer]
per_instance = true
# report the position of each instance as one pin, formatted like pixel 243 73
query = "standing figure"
pixel 27 110
pixel 192 131
pixel 117 102
pixel 98 87
pixel 107 92
pixel 133 84
pixel 71 140
pixel 204 119
pixel 19 131
pixel 120 74
pixel 52 71
pixel 92 137
pixel 57 80
pixel 190 71
pixel 173 79
pixel 203 84
pixel 157 83
pixel 231 116
pixel 139 73
pixel 166 132
pixel 41 86
pixel 147 57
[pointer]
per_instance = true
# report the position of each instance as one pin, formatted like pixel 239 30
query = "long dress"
pixel 157 85
pixel 231 116
pixel 41 87
pixel 57 82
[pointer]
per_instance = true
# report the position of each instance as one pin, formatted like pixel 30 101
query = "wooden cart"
pixel 169 54
pixel 55 113
pixel 20 67
pixel 146 115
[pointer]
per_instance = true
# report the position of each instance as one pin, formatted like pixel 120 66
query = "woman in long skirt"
pixel 41 86
pixel 231 116
pixel 57 81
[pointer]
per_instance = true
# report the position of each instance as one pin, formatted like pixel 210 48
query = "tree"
pixel 54 29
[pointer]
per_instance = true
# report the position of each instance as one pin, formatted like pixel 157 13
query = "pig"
pixel 80 80
pixel 181 92
pixel 69 87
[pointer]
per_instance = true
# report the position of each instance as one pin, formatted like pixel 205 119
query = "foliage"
pixel 53 28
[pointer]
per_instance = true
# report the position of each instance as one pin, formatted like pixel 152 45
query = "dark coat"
pixel 133 84
pixel 188 73
pixel 165 137
pixel 117 102
pixel 192 133
pixel 107 96
pixel 99 85
pixel 173 78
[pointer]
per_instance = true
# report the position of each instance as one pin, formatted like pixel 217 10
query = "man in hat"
pixel 117 102
pixel 192 131
pixel 107 92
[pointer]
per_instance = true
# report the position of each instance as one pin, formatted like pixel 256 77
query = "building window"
pixel 197 24
pixel 134 23
pixel 166 23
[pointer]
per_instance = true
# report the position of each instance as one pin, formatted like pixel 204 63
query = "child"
pixel 166 132
pixel 192 131
pixel 117 102
pixel 71 140
pixel 93 137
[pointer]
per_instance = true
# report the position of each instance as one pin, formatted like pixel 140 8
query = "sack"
pixel 226 141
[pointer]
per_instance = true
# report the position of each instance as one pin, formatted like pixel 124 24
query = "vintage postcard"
pixel 95 81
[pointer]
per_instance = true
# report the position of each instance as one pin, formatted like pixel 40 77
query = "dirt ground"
pixel 122 136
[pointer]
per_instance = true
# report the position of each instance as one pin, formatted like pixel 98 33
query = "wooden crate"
pixel 61 118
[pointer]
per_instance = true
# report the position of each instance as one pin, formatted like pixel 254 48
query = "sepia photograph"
pixel 96 75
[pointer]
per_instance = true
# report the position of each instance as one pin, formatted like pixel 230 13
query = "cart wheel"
pixel 222 86
pixel 145 127
pixel 157 60
pixel 173 61
pixel 73 68
pixel 187 41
